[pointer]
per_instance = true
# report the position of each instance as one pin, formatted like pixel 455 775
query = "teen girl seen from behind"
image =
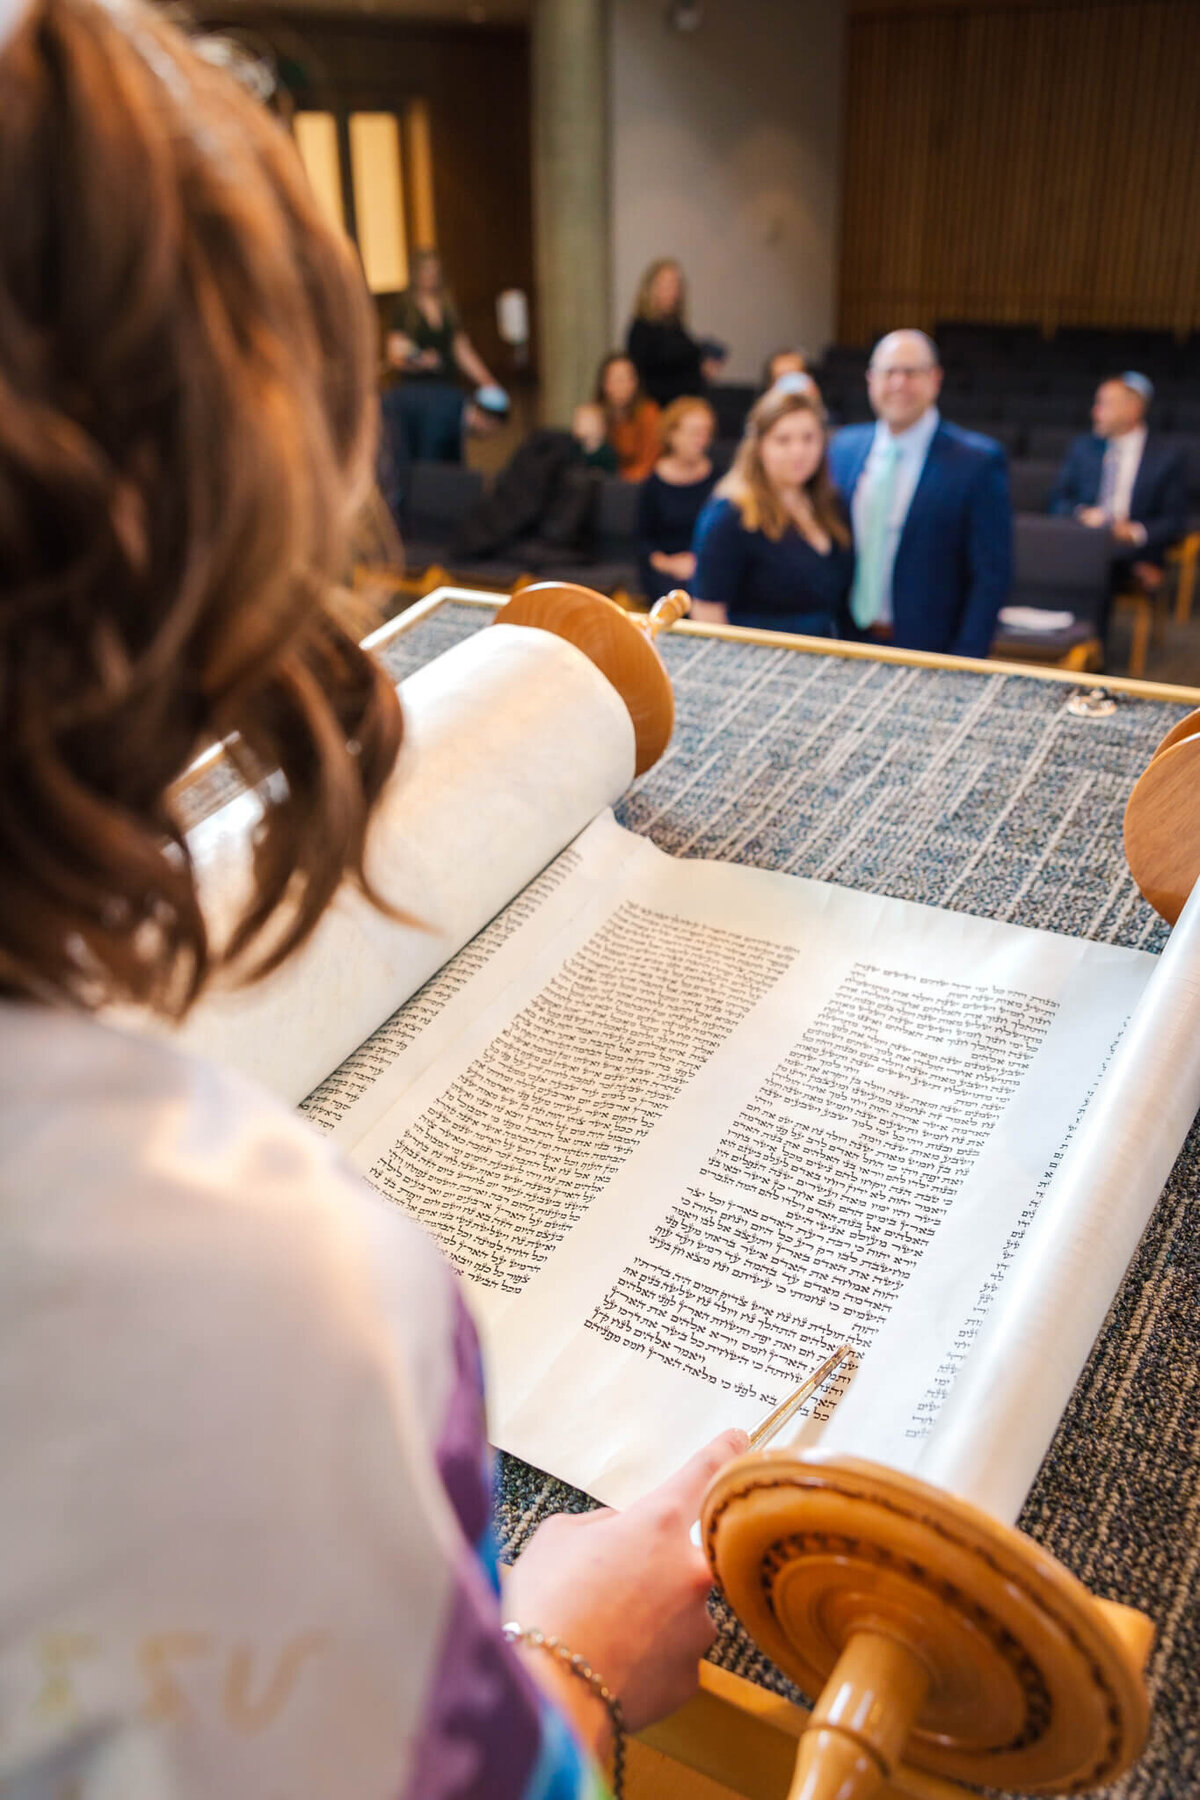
pixel 244 1495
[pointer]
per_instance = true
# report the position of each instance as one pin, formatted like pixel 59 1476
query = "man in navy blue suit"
pixel 930 507
pixel 1125 480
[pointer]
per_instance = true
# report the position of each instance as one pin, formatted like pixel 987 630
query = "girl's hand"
pixel 628 1591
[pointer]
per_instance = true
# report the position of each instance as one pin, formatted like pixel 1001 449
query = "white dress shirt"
pixel 913 446
pixel 1122 460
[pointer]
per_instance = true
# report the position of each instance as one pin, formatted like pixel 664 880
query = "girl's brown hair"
pixel 674 414
pixel 644 307
pixel 746 483
pixel 185 363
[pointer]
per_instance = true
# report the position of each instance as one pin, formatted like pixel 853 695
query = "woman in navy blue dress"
pixel 673 496
pixel 773 546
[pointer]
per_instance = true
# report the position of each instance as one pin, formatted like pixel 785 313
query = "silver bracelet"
pixel 579 1665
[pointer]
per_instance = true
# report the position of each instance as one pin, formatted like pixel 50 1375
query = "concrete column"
pixel 570 198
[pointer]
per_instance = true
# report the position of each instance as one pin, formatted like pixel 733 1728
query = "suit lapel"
pixel 928 482
pixel 1140 497
pixel 856 464
pixel 1096 448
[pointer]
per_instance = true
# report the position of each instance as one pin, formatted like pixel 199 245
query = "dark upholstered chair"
pixel 437 497
pixel 1031 480
pixel 1059 566
pixel 1050 443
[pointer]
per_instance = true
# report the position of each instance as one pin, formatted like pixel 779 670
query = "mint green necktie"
pixel 866 596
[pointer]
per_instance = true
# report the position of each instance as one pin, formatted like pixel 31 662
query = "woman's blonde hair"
pixel 185 424
pixel 674 415
pixel 746 483
pixel 644 307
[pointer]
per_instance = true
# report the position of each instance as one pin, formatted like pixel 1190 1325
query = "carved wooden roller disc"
pixel 1017 1677
pixel 619 646
pixel 1162 821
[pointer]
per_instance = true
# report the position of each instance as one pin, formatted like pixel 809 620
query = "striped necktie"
pixel 1106 498
pixel 870 570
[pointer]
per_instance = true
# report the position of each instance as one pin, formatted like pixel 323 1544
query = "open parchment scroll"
pixel 684 1127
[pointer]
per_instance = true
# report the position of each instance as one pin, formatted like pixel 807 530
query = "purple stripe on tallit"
pixel 461 1454
pixel 480 1735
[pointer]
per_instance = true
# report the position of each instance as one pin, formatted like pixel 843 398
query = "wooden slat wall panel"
pixel 1010 161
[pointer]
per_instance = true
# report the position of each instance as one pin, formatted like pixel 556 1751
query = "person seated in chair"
pixel 781 363
pixel 631 418
pixel 1122 478
pixel 673 496
pixel 931 510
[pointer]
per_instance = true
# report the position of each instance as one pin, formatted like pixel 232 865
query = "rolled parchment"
pixel 1006 1402
pixel 514 742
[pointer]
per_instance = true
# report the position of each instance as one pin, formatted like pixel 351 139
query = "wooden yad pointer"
pixel 774 1422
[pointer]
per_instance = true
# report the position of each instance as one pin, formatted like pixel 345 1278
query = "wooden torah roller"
pixel 620 644
pixel 1162 821
pixel 936 1637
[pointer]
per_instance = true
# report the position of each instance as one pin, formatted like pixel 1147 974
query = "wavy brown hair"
pixel 746 483
pixel 185 423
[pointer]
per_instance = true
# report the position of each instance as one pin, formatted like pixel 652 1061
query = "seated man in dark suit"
pixel 931 511
pixel 1125 480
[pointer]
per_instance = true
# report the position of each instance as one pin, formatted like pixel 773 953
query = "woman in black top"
pixel 672 497
pixel 425 342
pixel 667 357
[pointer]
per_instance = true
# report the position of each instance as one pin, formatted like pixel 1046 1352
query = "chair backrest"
pixel 731 401
pixel 1189 443
pixel 1046 409
pixel 1060 565
pixel 438 495
pixel 1031 481
pixel 958 402
pixel 722 454
pixel 1050 443
pixel 1011 436
pixel 614 518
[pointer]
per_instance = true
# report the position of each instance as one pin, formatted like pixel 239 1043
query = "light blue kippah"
pixel 1141 384
pixel 794 383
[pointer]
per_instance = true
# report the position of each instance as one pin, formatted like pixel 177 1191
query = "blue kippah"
pixel 1141 384
pixel 794 383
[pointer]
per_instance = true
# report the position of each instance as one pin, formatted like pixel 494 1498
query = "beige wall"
pixel 725 152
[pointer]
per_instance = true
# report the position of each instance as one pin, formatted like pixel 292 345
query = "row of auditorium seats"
pixel 1158 352
pixel 1072 354
pixel 439 496
pixel 1020 421
pixel 1059 564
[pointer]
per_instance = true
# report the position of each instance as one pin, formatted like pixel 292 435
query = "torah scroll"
pixel 684 1127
